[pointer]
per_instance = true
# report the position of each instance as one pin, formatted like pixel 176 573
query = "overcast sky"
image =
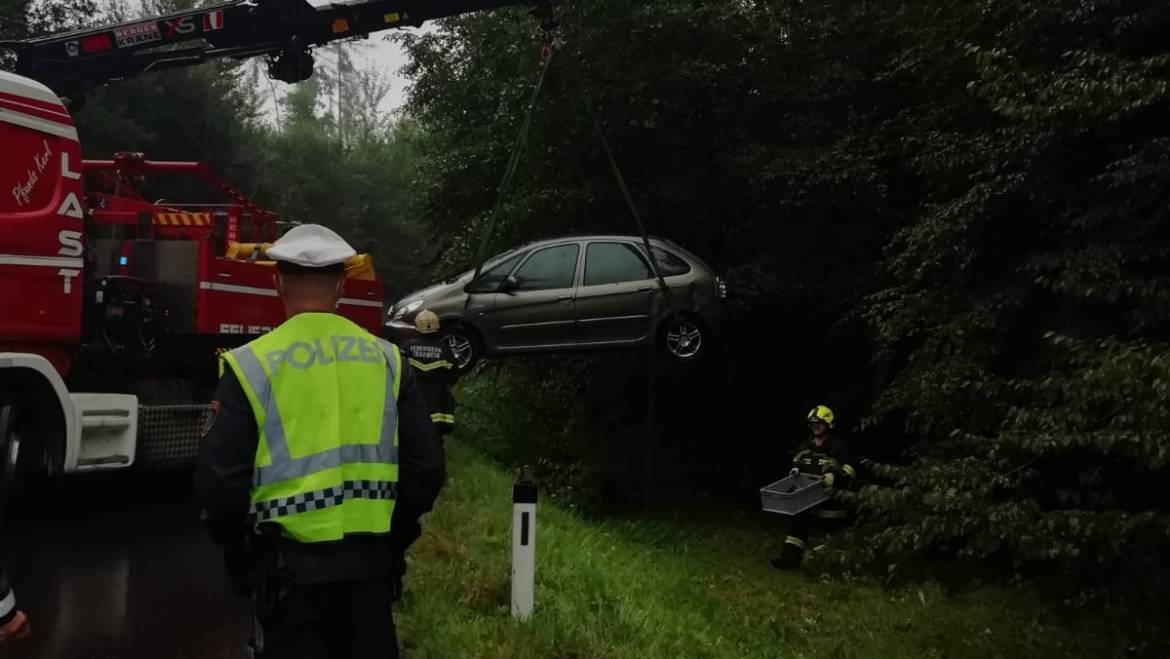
pixel 386 56
pixel 389 57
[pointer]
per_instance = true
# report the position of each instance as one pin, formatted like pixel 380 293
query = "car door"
pixel 534 307
pixel 482 299
pixel 614 299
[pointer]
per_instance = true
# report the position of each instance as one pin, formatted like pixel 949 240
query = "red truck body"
pixel 42 222
pixel 113 307
pixel 61 234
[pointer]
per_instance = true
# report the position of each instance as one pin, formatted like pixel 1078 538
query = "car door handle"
pixel 643 289
pixel 565 298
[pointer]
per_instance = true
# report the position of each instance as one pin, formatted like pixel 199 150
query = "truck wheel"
pixel 9 454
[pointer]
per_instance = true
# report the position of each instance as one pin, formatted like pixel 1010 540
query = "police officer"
pixel 434 363
pixel 321 449
pixel 13 622
pixel 826 455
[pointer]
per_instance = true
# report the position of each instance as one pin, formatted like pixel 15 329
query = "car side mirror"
pixel 510 284
pixel 477 286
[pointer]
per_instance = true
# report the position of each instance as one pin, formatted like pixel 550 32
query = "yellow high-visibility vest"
pixel 325 396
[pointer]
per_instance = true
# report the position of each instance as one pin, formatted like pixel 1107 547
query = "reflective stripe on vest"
pixel 283 466
pixel 319 500
pixel 330 376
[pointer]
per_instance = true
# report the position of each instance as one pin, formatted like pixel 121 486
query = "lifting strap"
pixel 510 170
pixel 621 182
pixel 547 56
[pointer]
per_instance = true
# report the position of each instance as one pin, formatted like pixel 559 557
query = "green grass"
pixel 673 588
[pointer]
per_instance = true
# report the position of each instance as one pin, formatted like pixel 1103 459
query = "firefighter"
pixel 13 622
pixel 825 455
pixel 320 450
pixel 434 363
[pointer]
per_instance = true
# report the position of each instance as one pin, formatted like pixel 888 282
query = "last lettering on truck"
pixel 69 239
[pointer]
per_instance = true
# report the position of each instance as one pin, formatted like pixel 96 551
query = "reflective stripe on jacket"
pixel 434 364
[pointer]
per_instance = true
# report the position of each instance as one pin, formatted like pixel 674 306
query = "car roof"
pixel 592 237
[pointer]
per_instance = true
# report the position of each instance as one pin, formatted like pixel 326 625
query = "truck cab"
pixel 113 307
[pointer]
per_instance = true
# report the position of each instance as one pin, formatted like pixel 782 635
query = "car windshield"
pixel 492 276
pixel 487 265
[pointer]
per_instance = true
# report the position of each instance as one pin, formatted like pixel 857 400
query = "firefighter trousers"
pixel 805 527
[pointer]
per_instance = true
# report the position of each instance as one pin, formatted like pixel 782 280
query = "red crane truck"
pixel 113 307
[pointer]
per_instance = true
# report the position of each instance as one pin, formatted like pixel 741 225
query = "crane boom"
pixel 283 30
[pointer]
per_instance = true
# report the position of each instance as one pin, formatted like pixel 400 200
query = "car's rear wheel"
pixel 684 339
pixel 465 345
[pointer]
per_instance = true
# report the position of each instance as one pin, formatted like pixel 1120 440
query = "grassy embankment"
pixel 698 588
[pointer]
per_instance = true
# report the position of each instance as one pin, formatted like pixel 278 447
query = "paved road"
pixel 119 568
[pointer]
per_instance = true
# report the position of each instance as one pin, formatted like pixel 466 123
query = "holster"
pixel 269 576
pixel 406 531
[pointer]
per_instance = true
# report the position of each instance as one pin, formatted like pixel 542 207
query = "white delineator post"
pixel 523 544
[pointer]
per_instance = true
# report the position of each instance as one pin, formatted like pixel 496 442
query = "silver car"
pixel 572 294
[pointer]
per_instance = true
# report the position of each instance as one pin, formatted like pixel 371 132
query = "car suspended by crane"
pixel 113 307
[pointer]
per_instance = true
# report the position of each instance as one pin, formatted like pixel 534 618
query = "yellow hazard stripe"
pixel 182 219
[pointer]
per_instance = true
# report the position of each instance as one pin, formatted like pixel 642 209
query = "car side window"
pixel 549 268
pixel 613 263
pixel 490 279
pixel 669 263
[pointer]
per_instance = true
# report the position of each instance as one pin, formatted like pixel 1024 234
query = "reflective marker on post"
pixel 523 544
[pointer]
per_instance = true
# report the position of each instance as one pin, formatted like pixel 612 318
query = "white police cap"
pixel 311 246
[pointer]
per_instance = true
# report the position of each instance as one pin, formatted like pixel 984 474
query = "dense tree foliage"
pixel 1022 336
pixel 945 218
pixel 704 106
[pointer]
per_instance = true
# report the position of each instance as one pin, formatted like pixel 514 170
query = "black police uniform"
pixel 7 600
pixel 316 600
pixel 437 372
pixel 831 457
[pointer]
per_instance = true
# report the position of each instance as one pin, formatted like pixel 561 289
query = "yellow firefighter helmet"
pixel 426 322
pixel 821 413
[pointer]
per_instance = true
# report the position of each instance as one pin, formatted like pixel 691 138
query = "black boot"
pixel 790 555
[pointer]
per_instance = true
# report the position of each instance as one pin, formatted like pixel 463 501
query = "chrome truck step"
pixel 108 424
pixel 168 435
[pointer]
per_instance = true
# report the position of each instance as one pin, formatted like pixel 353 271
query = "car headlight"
pixel 407 309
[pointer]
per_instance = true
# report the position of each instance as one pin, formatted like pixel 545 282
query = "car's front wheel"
pixel 465 346
pixel 684 338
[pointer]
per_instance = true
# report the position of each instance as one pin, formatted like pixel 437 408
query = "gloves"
pixel 239 567
pixel 397 571
pixel 829 478
pixel 18 627
pixel 395 588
